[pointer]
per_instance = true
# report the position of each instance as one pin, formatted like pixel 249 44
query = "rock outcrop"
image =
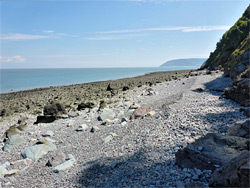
pixel 232 54
pixel 235 173
pixel 211 151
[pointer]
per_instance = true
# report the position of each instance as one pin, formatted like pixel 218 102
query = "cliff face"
pixel 232 54
pixel 233 50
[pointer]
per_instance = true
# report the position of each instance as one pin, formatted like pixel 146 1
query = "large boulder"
pixel 54 109
pixel 211 151
pixel 51 113
pixel 38 150
pixel 235 173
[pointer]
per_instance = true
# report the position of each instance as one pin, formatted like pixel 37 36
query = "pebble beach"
pixel 113 146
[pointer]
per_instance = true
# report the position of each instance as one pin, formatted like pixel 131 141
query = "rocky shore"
pixel 172 129
pixel 33 101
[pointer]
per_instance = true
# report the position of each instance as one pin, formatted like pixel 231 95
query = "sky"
pixel 118 33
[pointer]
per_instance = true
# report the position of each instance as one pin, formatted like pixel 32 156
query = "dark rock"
pixel 125 88
pixel 48 164
pixel 45 119
pixel 54 109
pixel 235 173
pixel 140 112
pixel 83 106
pixel 240 91
pixel 109 88
pixel 217 150
pixel 102 105
pixel 5 112
pixel 242 130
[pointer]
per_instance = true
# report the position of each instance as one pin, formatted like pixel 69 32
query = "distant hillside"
pixel 184 62
pixel 233 50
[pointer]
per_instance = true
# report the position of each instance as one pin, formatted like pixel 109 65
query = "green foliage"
pixel 232 44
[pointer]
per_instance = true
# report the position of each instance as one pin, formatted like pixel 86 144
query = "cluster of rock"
pixel 226 155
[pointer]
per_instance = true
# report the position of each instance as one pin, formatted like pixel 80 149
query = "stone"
pixel 235 173
pixel 5 172
pixel 240 90
pixel 124 120
pixel 9 132
pixel 242 130
pixel 73 114
pixel 109 137
pixel 38 150
pixel 217 150
pixel 82 127
pixel 151 113
pixel 94 129
pixel 83 106
pixel 45 119
pixel 54 109
pixel 66 165
pixel 140 112
pixel 22 164
pixel 48 164
pixel 5 112
pixel 49 133
pixel 13 141
pixel 123 123
pixel 134 106
pixel 125 88
pixel 106 114
pixel 51 113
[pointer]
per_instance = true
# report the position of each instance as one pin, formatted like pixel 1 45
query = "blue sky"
pixel 118 33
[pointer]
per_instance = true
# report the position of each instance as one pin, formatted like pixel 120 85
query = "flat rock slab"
pixel 13 141
pixel 216 151
pixel 64 166
pixel 38 150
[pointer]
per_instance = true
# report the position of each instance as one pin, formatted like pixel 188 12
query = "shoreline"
pixel 114 152
pixel 33 100
pixel 46 84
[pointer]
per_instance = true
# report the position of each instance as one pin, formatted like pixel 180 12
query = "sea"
pixel 13 80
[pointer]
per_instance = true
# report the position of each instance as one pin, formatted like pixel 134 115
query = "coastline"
pixel 120 152
pixel 33 100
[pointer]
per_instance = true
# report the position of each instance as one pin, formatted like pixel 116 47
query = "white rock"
pixel 94 129
pixel 37 151
pixel 13 141
pixel 82 127
pixel 49 133
pixel 64 166
pixel 106 114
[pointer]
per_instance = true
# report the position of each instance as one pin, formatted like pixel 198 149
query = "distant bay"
pixel 22 79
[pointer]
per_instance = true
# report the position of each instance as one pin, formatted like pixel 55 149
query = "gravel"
pixel 138 153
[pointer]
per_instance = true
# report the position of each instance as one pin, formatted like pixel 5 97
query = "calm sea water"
pixel 22 79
